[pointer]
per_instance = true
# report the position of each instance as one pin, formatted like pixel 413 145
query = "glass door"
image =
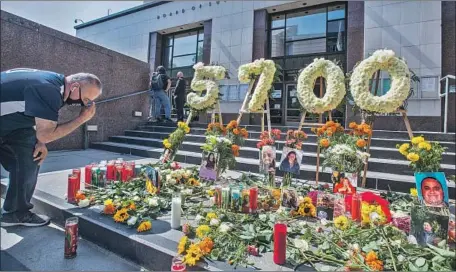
pixel 293 113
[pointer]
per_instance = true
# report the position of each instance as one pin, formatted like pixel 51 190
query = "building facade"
pixel 292 33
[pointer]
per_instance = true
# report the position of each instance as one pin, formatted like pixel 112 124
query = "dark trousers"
pixel 16 156
pixel 179 102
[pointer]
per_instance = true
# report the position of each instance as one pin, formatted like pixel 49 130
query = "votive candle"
pixel 280 242
pixel 176 202
pixel 119 170
pixel 73 188
pixel 88 174
pixel 355 207
pixel 110 171
pixel 253 199
pixel 218 196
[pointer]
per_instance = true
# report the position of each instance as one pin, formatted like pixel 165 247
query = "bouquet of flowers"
pixel 424 156
pixel 236 134
pixel 268 139
pixel 226 150
pixel 295 139
pixel 176 138
pixel 215 129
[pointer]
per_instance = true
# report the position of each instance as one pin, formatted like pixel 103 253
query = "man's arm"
pixel 48 131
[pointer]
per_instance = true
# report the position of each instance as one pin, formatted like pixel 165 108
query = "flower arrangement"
pixel 345 158
pixel 400 82
pixel 225 149
pixel 335 82
pixel 266 70
pixel 267 138
pixel 193 252
pixel 295 138
pixel 424 156
pixel 305 208
pixel 235 133
pixel 176 138
pixel 215 129
pixel 204 80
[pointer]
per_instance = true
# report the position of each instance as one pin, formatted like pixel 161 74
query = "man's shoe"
pixel 28 219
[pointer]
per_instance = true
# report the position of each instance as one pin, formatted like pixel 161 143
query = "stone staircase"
pixel 387 167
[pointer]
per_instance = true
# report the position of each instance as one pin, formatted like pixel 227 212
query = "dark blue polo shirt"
pixel 26 94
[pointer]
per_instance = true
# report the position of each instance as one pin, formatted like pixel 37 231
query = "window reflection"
pixel 183 50
pixel 306 24
pixel 184 61
pixel 336 12
pixel 185 43
pixel 306 47
pixel 277 42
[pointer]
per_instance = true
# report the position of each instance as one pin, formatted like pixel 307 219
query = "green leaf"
pixel 246 237
pixel 425 267
pixel 438 258
pixel 412 267
pixel 420 262
pixel 262 249
pixel 263 217
pixel 441 244
pixel 443 252
pixel 251 228
pixel 325 245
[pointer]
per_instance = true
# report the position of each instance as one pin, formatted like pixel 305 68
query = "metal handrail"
pixel 120 97
pixel 447 78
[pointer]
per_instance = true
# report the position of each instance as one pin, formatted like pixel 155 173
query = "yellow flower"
pixel 425 145
pixel 210 216
pixel 307 209
pixel 307 200
pixel 108 202
pixel 193 255
pixel 413 157
pixel 121 215
pixel 403 149
pixel 210 192
pixel 144 226
pixel 166 143
pixel 182 245
pixel 413 192
pixel 202 231
pixel 417 140
pixel 341 222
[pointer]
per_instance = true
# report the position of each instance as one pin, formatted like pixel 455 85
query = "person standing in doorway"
pixel 160 84
pixel 179 96
pixel 30 101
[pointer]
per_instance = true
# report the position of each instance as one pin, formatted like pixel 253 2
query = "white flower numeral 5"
pixel 266 69
pixel 204 79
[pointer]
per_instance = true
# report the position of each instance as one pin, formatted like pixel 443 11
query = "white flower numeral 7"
pixel 266 69
pixel 204 79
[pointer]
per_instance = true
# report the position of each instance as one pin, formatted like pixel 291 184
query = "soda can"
pixel 96 176
pixel 102 177
pixel 71 237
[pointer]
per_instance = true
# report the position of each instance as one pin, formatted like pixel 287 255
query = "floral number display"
pixel 266 69
pixel 335 86
pixel 204 80
pixel 400 82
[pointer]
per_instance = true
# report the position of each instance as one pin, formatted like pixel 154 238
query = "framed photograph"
pixel 208 169
pixel 245 200
pixel 432 189
pixel 291 160
pixel 325 205
pixel 428 227
pixel 268 160
pixel 344 183
pixel 290 198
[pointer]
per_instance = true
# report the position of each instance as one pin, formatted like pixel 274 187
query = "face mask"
pixel 70 101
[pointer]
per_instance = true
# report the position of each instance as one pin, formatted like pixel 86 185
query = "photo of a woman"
pixel 344 186
pixel 208 170
pixel 291 160
pixel 267 160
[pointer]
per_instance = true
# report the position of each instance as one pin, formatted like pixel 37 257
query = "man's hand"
pixel 87 112
pixel 40 152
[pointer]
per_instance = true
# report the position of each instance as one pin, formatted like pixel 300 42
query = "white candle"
pixel 176 212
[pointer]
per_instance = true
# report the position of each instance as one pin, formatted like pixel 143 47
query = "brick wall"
pixel 27 44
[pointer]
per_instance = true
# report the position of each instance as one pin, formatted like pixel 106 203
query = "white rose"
pixel 84 203
pixel 355 247
pixel 136 198
pixel 301 244
pixel 172 181
pixel 214 222
pixel 198 218
pixel 189 172
pixel 224 227
pixel 153 202
pixel 132 221
pixel 168 177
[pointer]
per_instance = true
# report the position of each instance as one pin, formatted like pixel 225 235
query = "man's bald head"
pixel 180 74
pixel 89 85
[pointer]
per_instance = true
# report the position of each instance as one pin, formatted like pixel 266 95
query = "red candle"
pixel 356 207
pixel 129 172
pixel 280 243
pixel 73 188
pixel 110 171
pixel 88 174
pixel 119 170
pixel 77 172
pixel 253 199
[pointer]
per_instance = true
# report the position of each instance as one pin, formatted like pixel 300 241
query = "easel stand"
pixel 371 124
pixel 320 123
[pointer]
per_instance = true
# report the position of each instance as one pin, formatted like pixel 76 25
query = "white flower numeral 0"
pixel 266 69
pixel 335 86
pixel 204 80
pixel 400 82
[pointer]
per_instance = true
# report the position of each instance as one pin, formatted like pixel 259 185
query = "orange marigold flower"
pixel 314 130
pixel 80 196
pixel 352 125
pixel 361 143
pixel 324 142
pixel 236 131
pixel 109 209
pixel 132 206
pixel 235 149
pixel 337 125
pixel 329 133
pixel 320 131
pixel 206 245
pixel 376 265
pixel 371 256
pixel 359 127
pixel 330 123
